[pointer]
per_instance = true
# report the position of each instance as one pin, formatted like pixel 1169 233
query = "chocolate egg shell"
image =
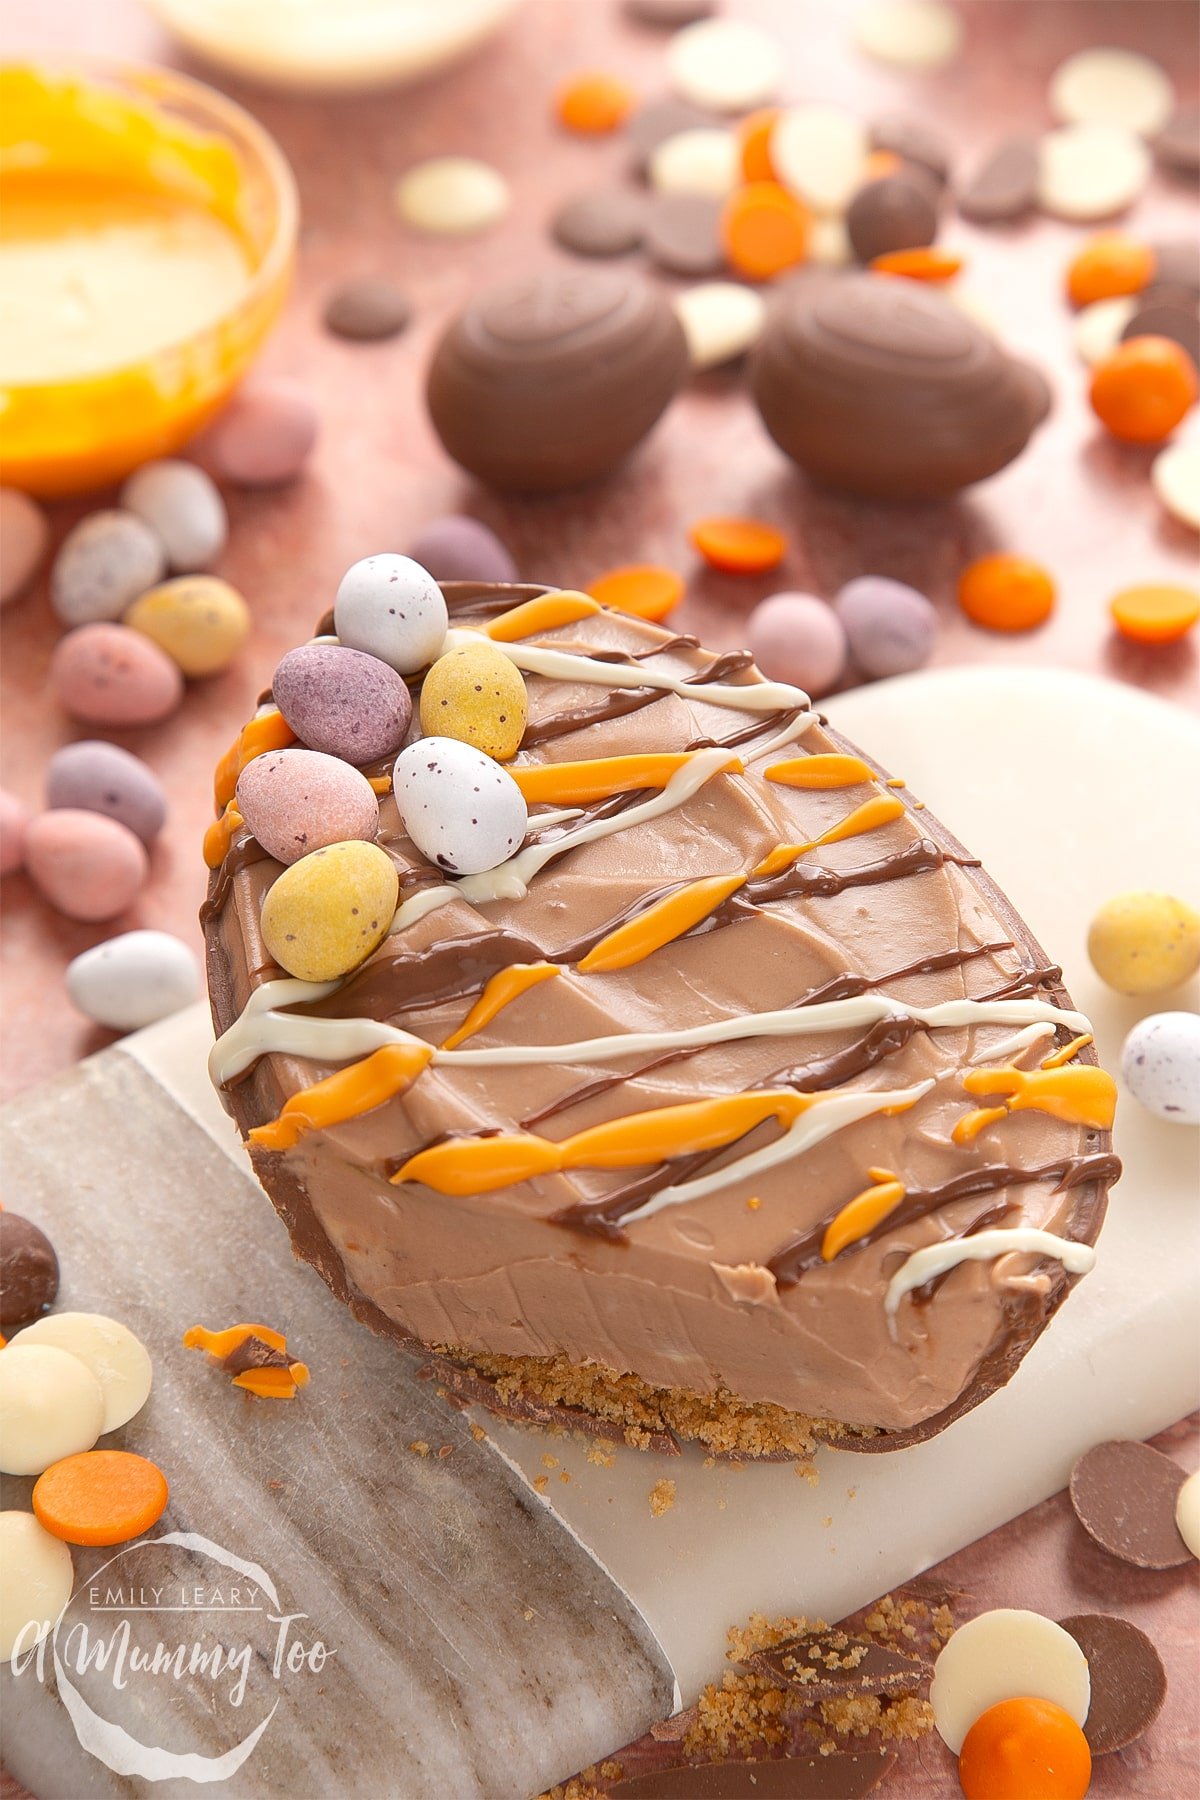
pixel 886 389
pixel 548 382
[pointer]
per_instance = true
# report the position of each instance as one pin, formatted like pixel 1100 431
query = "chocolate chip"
pixel 896 212
pixel 367 311
pixel 1005 184
pixel 835 1777
pixel 606 222
pixel 1124 1496
pixel 683 234
pixel 833 1665
pixel 28 1272
pixel 1129 1683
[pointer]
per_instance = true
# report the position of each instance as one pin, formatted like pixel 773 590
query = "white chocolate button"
pixel 704 161
pixel 909 34
pixel 820 153
pixel 1112 87
pixel 1005 1655
pixel 829 242
pixel 119 1361
pixel 1099 326
pixel 724 64
pixel 721 320
pixel 1175 478
pixel 51 1406
pixel 1091 171
pixel 36 1578
pixel 1187 1513
pixel 452 196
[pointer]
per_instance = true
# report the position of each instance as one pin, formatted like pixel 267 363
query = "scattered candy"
pixel 705 160
pixel 1177 145
pixel 1164 319
pixel 477 696
pixel 739 546
pixel 254 1356
pixel 764 230
pixel 1124 1495
pixel 1023 1747
pixel 298 801
pixel 116 1358
pixel 14 823
pixel 754 144
pixel 326 913
pixel 1145 943
pixel 1175 478
pixel 656 121
pixel 909 34
pixel 102 565
pixel 1160 1065
pixel 593 104
pixel 24 534
pixel 199 621
pixel 829 242
pixel 647 590
pixel 367 311
pixel 100 1497
pixel 682 233
pixel 798 638
pixel 86 865
pixel 1099 326
pixel 1129 1683
pixel 603 222
pixel 931 264
pixel 461 809
pixel 342 701
pixel 726 64
pixel 28 1272
pixel 1143 389
pixel 1101 86
pixel 1158 613
pixel 721 320
pixel 1091 171
pixel 1005 184
pixel 133 980
pixel 109 675
pixel 458 548
pixel 895 213
pixel 1006 1655
pixel 51 1406
pixel 1109 264
pixel 94 776
pixel 393 609
pixel 1006 593
pixel 1187 1513
pixel 182 506
pixel 890 628
pixel 820 152
pixel 913 141
pixel 265 435
pixel 452 196
pixel 36 1579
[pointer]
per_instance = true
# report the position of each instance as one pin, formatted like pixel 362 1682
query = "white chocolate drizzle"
pixel 938 1259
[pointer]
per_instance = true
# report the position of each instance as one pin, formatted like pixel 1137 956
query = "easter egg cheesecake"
pixel 610 1032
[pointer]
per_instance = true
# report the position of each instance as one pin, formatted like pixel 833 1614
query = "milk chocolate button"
pixel 683 233
pixel 1177 146
pixel 1005 184
pixel 1180 324
pixel 605 222
pixel 549 381
pixel 28 1272
pixel 367 311
pixel 1129 1683
pixel 913 142
pixel 657 120
pixel 1124 1496
pixel 896 212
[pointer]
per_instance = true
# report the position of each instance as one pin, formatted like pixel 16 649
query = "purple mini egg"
pixel 889 626
pixel 343 702
pixel 93 776
pixel 457 548
pixel 798 638
pixel 297 801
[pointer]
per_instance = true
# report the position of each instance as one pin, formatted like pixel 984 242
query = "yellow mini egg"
pixel 326 913
pixel 199 620
pixel 1144 943
pixel 477 696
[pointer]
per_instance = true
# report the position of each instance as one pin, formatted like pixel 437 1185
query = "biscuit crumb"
pixel 662 1497
pixel 419 1447
pixel 564 1476
pixel 599 1457
pixel 540 1483
pixel 548 1461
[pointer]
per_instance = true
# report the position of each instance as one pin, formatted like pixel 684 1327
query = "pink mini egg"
pixel 798 638
pixel 14 823
pixel 297 801
pixel 264 436
pixel 111 675
pixel 85 864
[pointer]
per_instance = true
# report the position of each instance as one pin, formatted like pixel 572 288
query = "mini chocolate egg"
pixel 264 436
pixel 133 980
pixel 342 701
pixel 798 638
pixel 1145 943
pixel 1160 1065
pixel 897 212
pixel 109 675
pixel 198 620
pixel 51 1406
pixel 889 626
pixel 326 913
pixel 14 823
pixel 85 865
pixel 478 696
pixel 182 506
pixel 298 801
pixel 458 548
pixel 461 809
pixel 24 534
pixel 28 1271
pixel 392 608
pixel 96 776
pixel 102 565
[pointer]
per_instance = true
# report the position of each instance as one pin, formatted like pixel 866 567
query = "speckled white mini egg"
pixel 461 809
pixel 392 608
pixel 1160 1065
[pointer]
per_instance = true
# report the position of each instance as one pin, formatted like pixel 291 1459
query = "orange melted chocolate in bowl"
pixel 757 1118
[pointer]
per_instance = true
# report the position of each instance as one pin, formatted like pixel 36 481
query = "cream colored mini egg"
pixel 326 914
pixel 200 621
pixel 1145 943
pixel 476 695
